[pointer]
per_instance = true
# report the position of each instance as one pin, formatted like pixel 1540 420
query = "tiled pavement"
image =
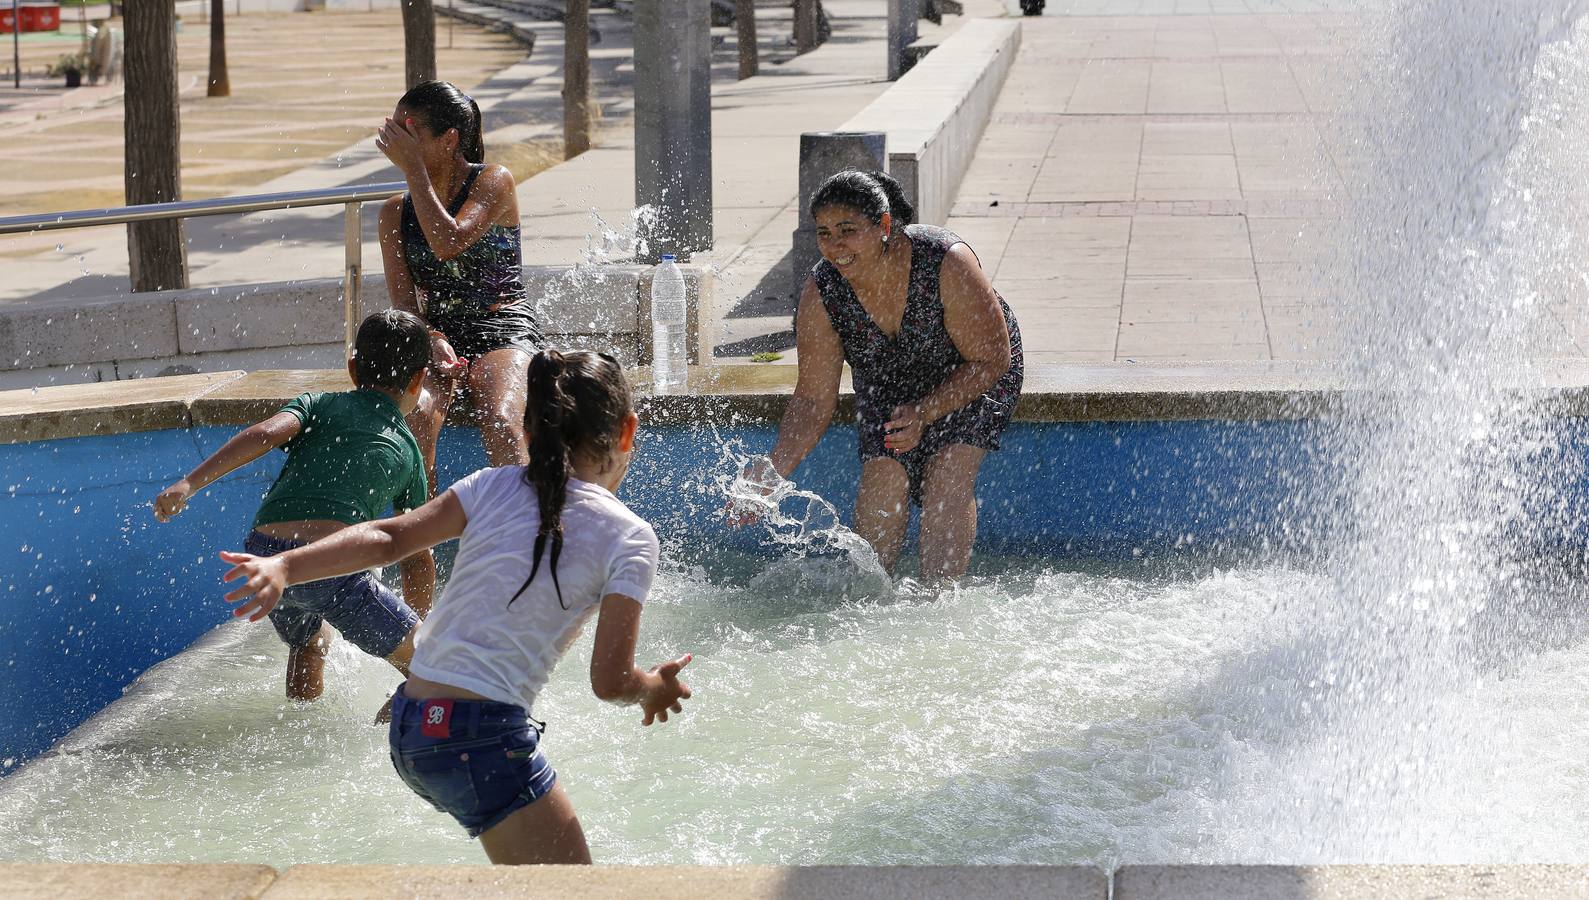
pixel 1151 185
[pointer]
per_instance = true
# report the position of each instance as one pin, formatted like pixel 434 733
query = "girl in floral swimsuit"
pixel 451 251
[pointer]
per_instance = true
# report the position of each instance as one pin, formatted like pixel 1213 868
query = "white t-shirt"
pixel 473 639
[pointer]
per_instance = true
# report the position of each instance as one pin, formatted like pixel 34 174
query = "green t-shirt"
pixel 352 459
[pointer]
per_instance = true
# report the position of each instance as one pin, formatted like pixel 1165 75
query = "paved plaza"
pixel 288 108
pixel 1149 184
pixel 1153 186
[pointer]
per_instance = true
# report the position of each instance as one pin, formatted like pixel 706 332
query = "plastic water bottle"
pixel 667 326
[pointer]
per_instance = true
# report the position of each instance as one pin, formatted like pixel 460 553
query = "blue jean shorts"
pixel 366 612
pixel 479 761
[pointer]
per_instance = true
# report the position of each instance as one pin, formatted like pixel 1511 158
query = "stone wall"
pixel 298 325
pixel 934 116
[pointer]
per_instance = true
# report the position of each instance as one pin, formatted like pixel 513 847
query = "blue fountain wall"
pixel 93 590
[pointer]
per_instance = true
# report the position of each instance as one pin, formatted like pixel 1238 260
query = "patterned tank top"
pixel 485 277
pixel 893 371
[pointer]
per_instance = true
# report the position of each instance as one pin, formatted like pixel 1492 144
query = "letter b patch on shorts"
pixel 436 719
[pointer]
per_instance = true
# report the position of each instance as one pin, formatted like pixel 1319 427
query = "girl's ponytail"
pixel 576 405
pixel 472 142
pixel 546 411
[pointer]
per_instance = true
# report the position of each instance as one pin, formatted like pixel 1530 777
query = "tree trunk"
pixel 419 41
pixel 745 21
pixel 220 83
pixel 576 78
pixel 805 26
pixel 157 252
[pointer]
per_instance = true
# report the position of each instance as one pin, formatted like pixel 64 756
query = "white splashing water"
pixel 1463 152
pixel 617 245
pixel 1033 715
pixel 816 553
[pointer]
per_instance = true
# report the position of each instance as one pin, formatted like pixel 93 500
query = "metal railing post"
pixel 353 239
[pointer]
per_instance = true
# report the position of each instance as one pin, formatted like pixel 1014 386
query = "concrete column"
pixel 673 123
pixel 807 27
pixel 902 15
pixel 822 155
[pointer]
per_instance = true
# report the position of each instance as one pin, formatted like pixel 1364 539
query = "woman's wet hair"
pixel 870 193
pixel 441 106
pixel 390 348
pixel 577 402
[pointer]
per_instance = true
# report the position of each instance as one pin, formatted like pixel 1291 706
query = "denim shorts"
pixel 479 761
pixel 366 612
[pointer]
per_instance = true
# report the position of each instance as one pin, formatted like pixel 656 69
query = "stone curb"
pixel 751 394
pixel 91 881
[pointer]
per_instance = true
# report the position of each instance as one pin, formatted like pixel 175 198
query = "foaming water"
pixel 1037 715
pixel 1463 162
pixel 817 555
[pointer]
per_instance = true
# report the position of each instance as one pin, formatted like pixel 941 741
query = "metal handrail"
pixel 185 209
pixel 352 199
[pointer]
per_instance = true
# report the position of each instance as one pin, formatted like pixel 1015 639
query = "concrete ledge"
pixel 95 881
pixel 258 395
pixel 272 314
pixel 297 324
pixel 935 114
pixel 1350 882
pixel 81 410
pixel 91 881
pixel 491 19
pixel 749 394
pixel 742 393
pixel 691 882
pixel 34 334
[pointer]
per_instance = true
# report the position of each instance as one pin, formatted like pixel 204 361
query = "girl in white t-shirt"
pixel 544 546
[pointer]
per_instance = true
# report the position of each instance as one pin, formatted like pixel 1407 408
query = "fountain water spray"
pixel 1462 161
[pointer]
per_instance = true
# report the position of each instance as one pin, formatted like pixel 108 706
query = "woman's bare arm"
pixel 816 394
pixel 975 322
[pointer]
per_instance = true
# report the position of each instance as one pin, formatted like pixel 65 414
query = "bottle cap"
pixel 668 257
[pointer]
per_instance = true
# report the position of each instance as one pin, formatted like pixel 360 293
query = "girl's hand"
pixel 400 143
pixel 264 578
pixel 666 694
pixel 172 500
pixel 903 432
pixel 446 362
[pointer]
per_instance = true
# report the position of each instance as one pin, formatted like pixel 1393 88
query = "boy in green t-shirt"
pixel 350 456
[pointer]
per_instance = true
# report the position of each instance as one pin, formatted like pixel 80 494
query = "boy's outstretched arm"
pixel 246 446
pixel 349 550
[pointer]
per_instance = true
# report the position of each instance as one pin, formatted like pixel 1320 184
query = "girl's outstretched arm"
pixel 614 677
pixel 349 550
